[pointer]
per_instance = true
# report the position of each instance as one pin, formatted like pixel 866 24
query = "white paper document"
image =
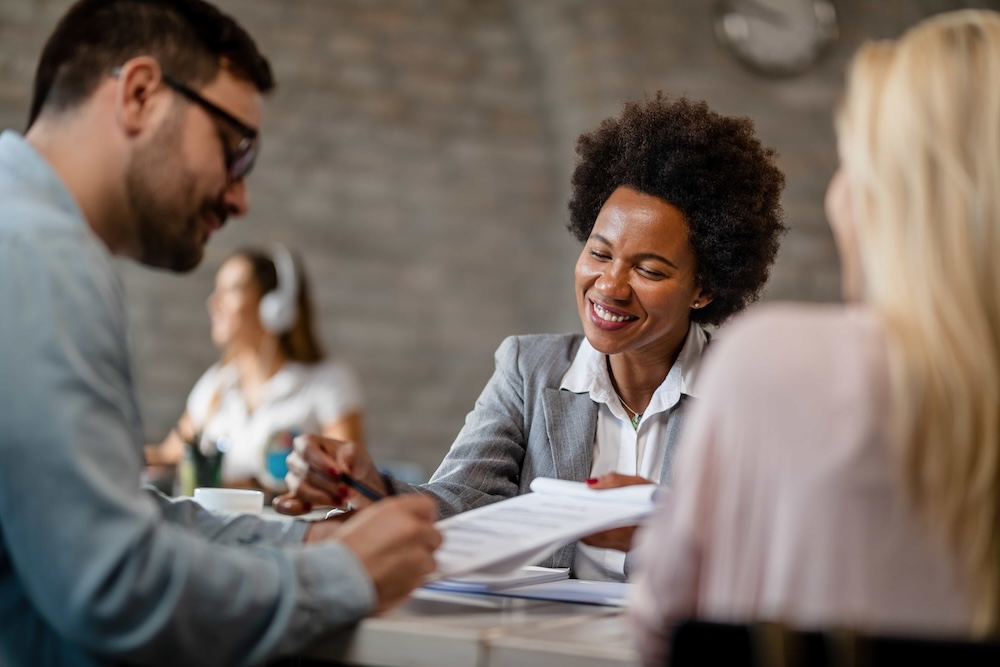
pixel 504 536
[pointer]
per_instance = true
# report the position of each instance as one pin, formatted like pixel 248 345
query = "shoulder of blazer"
pixel 540 357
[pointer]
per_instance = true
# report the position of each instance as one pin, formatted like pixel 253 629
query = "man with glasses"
pixel 143 126
pixel 239 160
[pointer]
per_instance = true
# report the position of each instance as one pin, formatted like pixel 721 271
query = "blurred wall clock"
pixel 776 38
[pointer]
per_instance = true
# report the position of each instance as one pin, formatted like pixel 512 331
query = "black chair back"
pixel 710 644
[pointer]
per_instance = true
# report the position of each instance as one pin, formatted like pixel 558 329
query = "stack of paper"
pixel 580 591
pixel 481 583
pixel 538 583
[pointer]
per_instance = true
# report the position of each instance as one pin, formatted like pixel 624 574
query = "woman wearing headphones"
pixel 271 382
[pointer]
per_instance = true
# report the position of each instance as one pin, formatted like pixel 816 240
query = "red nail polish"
pixel 333 471
pixel 592 480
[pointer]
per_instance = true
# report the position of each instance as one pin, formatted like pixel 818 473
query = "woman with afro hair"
pixel 678 210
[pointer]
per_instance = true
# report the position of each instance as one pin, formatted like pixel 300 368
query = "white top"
pixel 786 502
pixel 620 448
pixel 299 398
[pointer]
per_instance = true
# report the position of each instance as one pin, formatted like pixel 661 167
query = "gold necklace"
pixel 636 416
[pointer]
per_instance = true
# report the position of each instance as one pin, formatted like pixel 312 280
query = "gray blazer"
pixel 524 427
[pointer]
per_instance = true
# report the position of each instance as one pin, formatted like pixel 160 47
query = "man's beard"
pixel 162 194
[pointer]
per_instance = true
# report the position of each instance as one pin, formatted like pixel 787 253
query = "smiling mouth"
pixel 608 316
pixel 214 222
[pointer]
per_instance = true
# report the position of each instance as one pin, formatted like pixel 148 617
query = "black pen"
pixel 365 490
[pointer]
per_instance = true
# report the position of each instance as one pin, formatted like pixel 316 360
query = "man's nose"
pixel 236 198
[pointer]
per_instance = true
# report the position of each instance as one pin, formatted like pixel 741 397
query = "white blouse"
pixel 299 398
pixel 620 448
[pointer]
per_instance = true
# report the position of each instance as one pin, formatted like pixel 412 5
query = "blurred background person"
pixel 678 210
pixel 272 382
pixel 843 465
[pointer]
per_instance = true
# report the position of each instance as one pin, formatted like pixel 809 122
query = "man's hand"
pixel 616 538
pixel 313 467
pixel 395 540
pixel 328 529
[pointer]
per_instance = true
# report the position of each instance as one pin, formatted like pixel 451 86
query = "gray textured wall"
pixel 418 153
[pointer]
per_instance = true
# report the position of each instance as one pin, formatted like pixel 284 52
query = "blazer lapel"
pixel 675 425
pixel 571 425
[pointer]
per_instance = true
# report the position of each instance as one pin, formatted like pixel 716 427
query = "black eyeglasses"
pixel 240 160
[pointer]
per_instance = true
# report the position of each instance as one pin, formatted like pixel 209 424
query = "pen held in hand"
pixel 365 490
pixel 344 478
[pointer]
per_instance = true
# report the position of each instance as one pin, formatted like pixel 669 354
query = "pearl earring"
pixel 697 305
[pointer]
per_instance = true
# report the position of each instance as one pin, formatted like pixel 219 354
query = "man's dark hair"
pixel 712 168
pixel 189 38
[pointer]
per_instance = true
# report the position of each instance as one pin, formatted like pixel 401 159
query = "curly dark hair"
pixel 711 167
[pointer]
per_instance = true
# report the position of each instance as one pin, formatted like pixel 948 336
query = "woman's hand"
pixel 314 466
pixel 616 538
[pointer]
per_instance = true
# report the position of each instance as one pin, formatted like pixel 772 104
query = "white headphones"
pixel 279 308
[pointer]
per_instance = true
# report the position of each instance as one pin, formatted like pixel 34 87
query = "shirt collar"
pixel 589 372
pixel 689 360
pixel 23 163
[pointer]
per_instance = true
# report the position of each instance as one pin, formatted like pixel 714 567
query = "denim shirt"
pixel 94 569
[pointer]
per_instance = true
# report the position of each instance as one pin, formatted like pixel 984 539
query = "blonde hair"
pixel 919 137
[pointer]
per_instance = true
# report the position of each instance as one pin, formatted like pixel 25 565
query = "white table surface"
pixel 436 629
pixel 590 642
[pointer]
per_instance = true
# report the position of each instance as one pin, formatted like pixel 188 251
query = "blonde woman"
pixel 843 465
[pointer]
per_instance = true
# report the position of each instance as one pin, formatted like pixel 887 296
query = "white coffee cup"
pixel 242 501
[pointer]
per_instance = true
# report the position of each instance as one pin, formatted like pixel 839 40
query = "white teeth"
pixel 606 316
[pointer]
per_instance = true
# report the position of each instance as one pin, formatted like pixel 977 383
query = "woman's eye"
pixel 650 273
pixel 597 254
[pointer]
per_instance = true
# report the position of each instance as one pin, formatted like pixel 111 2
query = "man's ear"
pixel 136 101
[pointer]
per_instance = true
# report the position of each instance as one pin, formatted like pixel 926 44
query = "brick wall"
pixel 417 154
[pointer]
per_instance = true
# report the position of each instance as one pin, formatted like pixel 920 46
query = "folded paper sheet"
pixel 504 536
